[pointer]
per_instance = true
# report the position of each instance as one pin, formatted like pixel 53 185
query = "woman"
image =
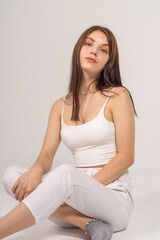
pixel 96 193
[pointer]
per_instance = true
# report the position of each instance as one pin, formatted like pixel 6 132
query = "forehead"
pixel 98 36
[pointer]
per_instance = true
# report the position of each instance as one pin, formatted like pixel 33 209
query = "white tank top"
pixel 92 143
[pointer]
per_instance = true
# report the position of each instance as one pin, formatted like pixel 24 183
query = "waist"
pixel 96 166
pixel 93 157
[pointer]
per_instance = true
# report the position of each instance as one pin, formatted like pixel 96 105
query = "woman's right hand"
pixel 27 182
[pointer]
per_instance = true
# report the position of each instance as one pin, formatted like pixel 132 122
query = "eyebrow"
pixel 105 44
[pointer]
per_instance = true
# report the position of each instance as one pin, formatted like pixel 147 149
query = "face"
pixel 95 47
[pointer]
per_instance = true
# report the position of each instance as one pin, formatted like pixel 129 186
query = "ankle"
pixel 85 222
pixel 91 220
pixel 80 222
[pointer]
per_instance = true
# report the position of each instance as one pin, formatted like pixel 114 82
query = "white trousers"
pixel 74 186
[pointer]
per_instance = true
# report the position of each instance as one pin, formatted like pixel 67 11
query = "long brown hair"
pixel 108 77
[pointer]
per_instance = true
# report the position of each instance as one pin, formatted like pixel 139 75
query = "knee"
pixel 66 168
pixel 7 174
pixel 7 177
pixel 64 171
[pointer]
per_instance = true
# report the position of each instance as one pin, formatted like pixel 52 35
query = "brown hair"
pixel 109 76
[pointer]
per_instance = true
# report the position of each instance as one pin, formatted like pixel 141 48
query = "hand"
pixel 26 183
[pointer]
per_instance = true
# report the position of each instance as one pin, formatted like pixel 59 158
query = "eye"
pixel 104 50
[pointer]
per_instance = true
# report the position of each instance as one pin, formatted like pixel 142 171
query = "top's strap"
pixel 64 99
pixel 110 94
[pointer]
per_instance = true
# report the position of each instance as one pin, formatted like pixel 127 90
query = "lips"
pixel 91 59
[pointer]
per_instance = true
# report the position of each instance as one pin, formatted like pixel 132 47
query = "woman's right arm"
pixel 52 139
pixel 29 180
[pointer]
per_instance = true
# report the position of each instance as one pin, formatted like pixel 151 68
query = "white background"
pixel 37 38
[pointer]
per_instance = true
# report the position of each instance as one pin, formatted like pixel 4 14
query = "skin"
pixel 94 49
pixel 120 111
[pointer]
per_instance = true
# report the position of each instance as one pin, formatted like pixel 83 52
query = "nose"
pixel 94 51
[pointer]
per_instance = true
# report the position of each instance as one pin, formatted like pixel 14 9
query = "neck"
pixel 84 89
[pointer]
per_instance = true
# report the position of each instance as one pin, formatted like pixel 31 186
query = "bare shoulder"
pixel 57 106
pixel 120 99
pixel 115 91
pixel 66 100
pixel 58 103
pixel 115 95
pixel 120 91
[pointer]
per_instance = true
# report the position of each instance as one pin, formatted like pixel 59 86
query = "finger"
pixel 17 192
pixel 15 186
pixel 25 195
pixel 21 195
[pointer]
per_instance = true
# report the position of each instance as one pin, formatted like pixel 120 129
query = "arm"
pixel 29 180
pixel 123 116
pixel 51 141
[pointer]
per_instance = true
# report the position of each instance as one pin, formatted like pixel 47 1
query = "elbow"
pixel 131 161
pixel 128 159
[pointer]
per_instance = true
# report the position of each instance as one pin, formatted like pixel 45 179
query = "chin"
pixel 91 72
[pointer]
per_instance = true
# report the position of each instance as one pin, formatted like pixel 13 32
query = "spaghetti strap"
pixel 109 96
pixel 107 99
pixel 100 110
pixel 111 90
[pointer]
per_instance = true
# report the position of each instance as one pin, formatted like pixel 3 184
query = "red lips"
pixel 92 59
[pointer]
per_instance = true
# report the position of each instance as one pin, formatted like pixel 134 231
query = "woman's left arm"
pixel 123 116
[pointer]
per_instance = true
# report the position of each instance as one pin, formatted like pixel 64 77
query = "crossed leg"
pixel 67 216
pixel 72 189
pixel 21 218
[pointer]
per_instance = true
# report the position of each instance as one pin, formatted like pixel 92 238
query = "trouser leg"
pixel 67 183
pixel 11 175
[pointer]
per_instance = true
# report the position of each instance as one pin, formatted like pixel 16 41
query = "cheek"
pixel 82 55
pixel 82 52
pixel 104 63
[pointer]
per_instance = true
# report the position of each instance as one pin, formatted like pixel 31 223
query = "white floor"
pixel 144 223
